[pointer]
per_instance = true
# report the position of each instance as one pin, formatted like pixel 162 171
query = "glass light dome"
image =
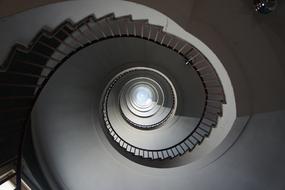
pixel 142 96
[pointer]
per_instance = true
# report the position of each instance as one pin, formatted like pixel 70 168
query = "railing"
pixel 28 69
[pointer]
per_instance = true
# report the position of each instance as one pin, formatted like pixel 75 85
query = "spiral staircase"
pixel 70 114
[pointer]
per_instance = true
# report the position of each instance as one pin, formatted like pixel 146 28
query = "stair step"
pixel 20 91
pixel 14 115
pixel 205 128
pixel 202 132
pixel 198 137
pixel 19 79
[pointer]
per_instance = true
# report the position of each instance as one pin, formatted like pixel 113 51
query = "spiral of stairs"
pixel 64 100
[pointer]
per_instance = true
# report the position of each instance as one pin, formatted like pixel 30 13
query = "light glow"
pixel 142 96
pixel 8 185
